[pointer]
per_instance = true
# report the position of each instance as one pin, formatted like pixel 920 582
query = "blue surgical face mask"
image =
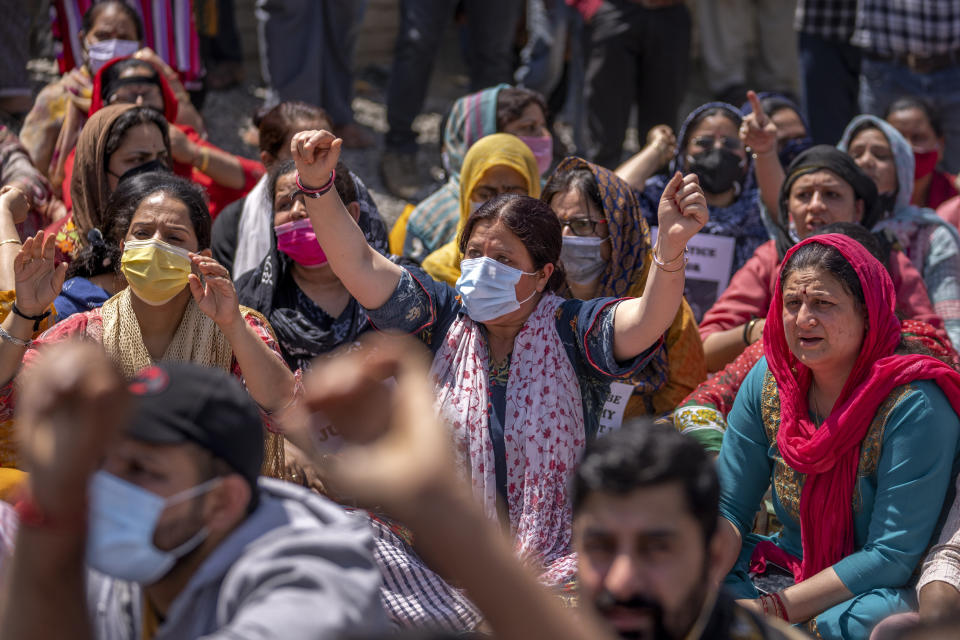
pixel 123 518
pixel 488 288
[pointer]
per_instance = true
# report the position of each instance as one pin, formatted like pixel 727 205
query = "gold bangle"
pixel 204 160
pixel 10 241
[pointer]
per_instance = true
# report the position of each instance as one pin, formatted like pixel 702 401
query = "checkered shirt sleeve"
pixel 830 19
pixel 901 27
pixel 943 561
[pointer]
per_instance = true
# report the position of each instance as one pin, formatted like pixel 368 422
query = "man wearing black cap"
pixel 181 536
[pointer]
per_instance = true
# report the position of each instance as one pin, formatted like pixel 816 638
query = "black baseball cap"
pixel 180 402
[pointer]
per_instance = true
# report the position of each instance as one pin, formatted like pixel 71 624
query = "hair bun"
pixel 95 238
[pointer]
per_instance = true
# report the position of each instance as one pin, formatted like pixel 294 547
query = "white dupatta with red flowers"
pixel 543 434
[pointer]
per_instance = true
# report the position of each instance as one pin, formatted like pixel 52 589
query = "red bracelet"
pixel 30 515
pixel 781 609
pixel 316 193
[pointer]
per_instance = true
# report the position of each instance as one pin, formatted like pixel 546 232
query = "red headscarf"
pixel 170 104
pixel 828 455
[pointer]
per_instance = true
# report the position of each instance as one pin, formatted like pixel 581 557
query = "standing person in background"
pixel 219 43
pixel 306 54
pixel 726 28
pixel 639 53
pixel 491 25
pixel 912 49
pixel 829 66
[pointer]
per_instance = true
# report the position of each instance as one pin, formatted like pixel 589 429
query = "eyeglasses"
pixel 582 226
pixel 708 142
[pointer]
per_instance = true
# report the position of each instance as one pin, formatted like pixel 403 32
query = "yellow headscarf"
pixel 496 150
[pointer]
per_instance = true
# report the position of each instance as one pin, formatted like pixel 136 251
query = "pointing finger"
pixel 757 107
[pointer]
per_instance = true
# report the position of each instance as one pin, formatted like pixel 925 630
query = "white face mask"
pixel 100 53
pixel 474 205
pixel 488 288
pixel 123 519
pixel 582 258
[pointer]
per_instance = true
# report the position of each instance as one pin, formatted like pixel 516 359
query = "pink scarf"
pixel 828 455
pixel 544 433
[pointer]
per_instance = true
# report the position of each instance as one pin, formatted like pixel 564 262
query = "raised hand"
pixel 215 294
pixel 397 451
pixel 681 214
pixel 16 202
pixel 37 280
pixel 181 148
pixel 662 138
pixel 758 131
pixel 316 154
pixel 70 403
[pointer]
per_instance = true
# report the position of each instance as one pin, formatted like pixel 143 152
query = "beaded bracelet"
pixel 316 193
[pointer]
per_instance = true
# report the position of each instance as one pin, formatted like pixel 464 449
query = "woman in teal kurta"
pixel 900 479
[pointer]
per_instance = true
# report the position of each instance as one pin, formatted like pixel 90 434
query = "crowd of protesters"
pixel 705 390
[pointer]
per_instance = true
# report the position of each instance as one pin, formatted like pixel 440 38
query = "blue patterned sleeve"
pixel 744 466
pixel 419 304
pixel 587 326
pixel 912 479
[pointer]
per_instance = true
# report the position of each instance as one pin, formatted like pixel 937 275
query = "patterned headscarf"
pixel 471 118
pixel 629 232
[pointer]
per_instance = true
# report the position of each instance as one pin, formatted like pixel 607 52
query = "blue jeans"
pixel 883 82
pixel 829 83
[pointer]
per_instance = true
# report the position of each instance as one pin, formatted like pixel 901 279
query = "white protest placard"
pixel 611 417
pixel 709 260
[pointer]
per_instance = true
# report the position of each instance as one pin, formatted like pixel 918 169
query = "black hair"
pixel 533 222
pixel 703 115
pixel 112 73
pixel 279 123
pixel 90 17
pixel 512 101
pixel 101 254
pixel 130 119
pixel 643 454
pixel 864 236
pixel 825 258
pixel 581 179
pixel 912 102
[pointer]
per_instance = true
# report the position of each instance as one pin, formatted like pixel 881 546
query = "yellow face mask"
pixel 156 271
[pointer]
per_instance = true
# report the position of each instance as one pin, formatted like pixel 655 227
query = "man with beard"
pixel 645 502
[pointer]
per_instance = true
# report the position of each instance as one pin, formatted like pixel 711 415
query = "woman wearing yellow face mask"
pixel 180 303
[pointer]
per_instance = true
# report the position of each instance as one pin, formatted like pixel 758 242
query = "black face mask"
pixel 153 165
pixel 718 169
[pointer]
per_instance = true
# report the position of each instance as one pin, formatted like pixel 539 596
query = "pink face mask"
pixel 297 240
pixel 542 148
